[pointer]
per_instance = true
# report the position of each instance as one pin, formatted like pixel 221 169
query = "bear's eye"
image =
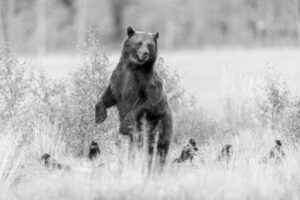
pixel 140 43
pixel 150 46
pixel 127 44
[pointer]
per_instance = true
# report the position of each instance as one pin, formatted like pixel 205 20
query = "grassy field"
pixel 203 73
pixel 23 177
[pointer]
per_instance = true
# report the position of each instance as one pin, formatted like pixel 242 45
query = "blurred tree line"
pixel 40 26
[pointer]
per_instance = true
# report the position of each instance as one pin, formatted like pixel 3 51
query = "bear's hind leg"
pixel 165 136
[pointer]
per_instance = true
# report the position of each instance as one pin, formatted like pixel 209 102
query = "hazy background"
pixel 47 26
pixel 199 38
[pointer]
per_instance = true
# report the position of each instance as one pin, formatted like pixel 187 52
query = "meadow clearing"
pixel 202 71
pixel 240 99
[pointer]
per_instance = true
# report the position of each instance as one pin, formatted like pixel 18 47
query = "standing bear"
pixel 137 90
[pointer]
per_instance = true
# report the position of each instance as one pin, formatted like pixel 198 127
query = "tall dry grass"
pixel 23 177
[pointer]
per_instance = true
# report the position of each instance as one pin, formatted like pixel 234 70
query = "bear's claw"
pixel 101 114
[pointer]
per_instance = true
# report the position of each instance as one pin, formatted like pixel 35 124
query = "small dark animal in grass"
pixel 94 151
pixel 51 163
pixel 188 152
pixel 226 153
pixel 137 90
pixel 275 155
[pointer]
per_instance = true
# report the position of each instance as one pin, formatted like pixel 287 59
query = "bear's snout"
pixel 143 53
pixel 143 56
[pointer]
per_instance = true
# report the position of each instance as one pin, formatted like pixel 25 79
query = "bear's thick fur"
pixel 137 90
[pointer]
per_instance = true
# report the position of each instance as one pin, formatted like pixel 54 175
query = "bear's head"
pixel 140 49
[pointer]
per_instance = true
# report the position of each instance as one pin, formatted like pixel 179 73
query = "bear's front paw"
pixel 101 114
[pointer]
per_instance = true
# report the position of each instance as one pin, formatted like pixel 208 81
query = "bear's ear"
pixel 130 31
pixel 156 35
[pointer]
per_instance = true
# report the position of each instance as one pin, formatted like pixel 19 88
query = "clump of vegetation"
pixel 274 99
pixel 85 87
pixel 265 102
pixel 27 96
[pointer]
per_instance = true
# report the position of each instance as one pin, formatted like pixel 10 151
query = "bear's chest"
pixel 131 88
